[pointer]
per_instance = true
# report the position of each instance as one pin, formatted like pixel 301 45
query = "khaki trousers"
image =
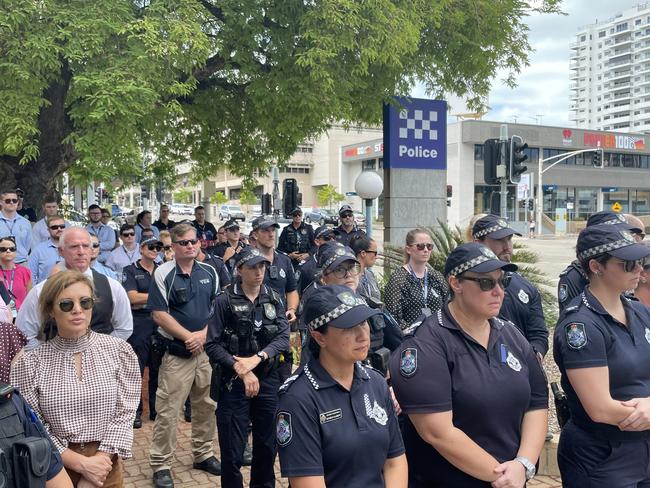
pixel 177 378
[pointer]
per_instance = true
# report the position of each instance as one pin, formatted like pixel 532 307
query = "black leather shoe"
pixel 163 479
pixel 210 465
pixel 247 459
pixel 137 423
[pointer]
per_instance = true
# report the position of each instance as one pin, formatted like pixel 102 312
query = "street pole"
pixel 503 137
pixel 368 217
pixel 540 195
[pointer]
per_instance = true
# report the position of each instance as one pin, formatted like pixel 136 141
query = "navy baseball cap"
pixel 145 241
pixel 264 223
pixel 296 211
pixel 337 306
pixel 249 256
pixel 345 208
pixel 474 257
pixel 324 231
pixel 492 226
pixel 332 254
pixel 609 239
pixel 611 218
pixel 231 225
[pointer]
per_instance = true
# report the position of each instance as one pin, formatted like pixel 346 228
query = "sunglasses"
pixel 629 266
pixel 67 304
pixel 487 284
pixel 128 234
pixel 57 227
pixel 154 247
pixel 371 252
pixel 167 248
pixel 95 245
pixel 421 246
pixel 342 271
pixel 7 249
pixel 345 215
pixel 10 200
pixel 185 242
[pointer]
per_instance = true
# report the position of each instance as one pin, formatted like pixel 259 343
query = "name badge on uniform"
pixel 576 335
pixel 330 416
pixel 283 431
pixel 408 363
pixel 269 311
pixel 523 296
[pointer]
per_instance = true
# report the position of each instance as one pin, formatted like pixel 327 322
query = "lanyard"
pixel 10 229
pixel 129 256
pixel 425 288
pixel 10 286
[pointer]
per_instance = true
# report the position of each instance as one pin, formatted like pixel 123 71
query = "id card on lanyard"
pixel 9 287
pixel 425 289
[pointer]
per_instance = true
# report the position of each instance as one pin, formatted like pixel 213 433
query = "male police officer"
pixel 246 337
pixel 522 304
pixel 308 269
pixel 297 238
pixel 573 279
pixel 181 300
pixel 348 228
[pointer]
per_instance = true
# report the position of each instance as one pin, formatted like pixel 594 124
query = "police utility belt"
pixel 24 461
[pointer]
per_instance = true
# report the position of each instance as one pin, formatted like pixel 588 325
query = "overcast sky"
pixel 542 88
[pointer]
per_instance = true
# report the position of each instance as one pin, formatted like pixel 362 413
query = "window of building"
pixel 621 27
pixel 602 33
pixel 478 152
pixel 368 165
pixel 583 38
pixel 637 21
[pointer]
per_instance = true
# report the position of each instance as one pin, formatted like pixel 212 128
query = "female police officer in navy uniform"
pixel 246 335
pixel 336 426
pixel 602 347
pixel 470 383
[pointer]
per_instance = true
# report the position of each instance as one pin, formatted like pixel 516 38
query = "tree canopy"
pixel 91 87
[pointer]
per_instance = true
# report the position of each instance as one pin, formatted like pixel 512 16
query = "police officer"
pixel 246 337
pixel 297 238
pixel 602 348
pixel 136 279
pixel 225 278
pixel 230 245
pixel 522 304
pixel 308 269
pixel 573 278
pixel 461 364
pixel 348 227
pixel 19 428
pixel 336 423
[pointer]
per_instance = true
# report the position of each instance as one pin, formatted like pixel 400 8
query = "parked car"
pixel 181 209
pixel 76 218
pixel 321 216
pixel 234 212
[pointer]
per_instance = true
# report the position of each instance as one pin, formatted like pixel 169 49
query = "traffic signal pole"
pixel 501 171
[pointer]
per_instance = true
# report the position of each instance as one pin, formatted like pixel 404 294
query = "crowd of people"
pixel 434 381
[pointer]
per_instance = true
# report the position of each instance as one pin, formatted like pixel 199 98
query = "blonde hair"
pixel 165 233
pixel 52 288
pixel 467 235
pixel 410 240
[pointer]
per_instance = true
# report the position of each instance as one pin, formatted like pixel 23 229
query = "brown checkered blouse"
pixel 98 407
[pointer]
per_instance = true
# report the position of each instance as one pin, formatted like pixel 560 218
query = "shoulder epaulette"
pixel 289 381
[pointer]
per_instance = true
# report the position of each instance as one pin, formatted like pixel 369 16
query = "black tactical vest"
pixel 103 308
pixel 11 430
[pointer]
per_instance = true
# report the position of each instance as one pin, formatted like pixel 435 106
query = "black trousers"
pixel 234 411
pixel 140 341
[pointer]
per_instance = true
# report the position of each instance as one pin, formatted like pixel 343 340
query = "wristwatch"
pixel 261 355
pixel 530 467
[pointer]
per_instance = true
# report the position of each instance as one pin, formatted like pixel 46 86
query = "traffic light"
pixel 289 196
pixel 491 153
pixel 517 158
pixel 531 204
pixel 597 159
pixel 98 196
pixel 266 204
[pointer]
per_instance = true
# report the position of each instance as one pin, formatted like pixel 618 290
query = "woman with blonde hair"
pixel 85 386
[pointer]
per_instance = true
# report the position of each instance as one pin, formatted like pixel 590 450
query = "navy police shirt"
pixel 307 272
pixel 588 337
pixel 280 275
pixel 322 429
pixel 573 281
pixel 441 368
pixel 522 305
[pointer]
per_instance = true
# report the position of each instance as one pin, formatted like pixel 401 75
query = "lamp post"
pixel 369 186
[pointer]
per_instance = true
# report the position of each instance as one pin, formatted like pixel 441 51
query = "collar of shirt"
pixel 51 243
pixel 592 303
pixel 180 271
pixel 138 265
pixel 320 378
pixel 446 320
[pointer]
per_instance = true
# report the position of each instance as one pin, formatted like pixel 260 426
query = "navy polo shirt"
pixel 187 298
pixel 136 278
pixel 322 429
pixel 440 368
pixel 522 305
pixel 307 272
pixel 280 275
pixel 588 337
pixel 225 278
pixel 573 281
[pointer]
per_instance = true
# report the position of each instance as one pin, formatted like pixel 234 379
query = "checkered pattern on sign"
pixel 603 248
pixel 418 124
pixel 469 265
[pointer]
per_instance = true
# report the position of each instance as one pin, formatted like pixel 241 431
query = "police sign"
pixel 415 134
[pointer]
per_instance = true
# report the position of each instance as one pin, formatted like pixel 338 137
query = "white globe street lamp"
pixel 369 186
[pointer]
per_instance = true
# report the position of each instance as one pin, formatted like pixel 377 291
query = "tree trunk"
pixel 38 178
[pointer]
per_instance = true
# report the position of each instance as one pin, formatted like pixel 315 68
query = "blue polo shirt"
pixel 42 260
pixel 280 275
pixel 322 429
pixel 21 229
pixel 106 237
pixel 588 337
pixel 440 368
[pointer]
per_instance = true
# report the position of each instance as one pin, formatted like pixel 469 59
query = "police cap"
pixel 264 223
pixel 344 209
pixel 231 225
pixel 332 253
pixel 249 256
pixel 474 257
pixel 146 241
pixel 492 226
pixel 324 231
pixel 609 239
pixel 611 218
pixel 337 306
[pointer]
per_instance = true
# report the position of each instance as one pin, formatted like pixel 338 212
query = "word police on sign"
pixel 415 134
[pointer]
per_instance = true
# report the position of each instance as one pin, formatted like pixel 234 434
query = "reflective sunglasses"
pixel 67 304
pixel 154 247
pixel 7 249
pixel 421 246
pixel 629 266
pixel 57 227
pixel 185 242
pixel 10 200
pixel 342 271
pixel 128 234
pixel 487 284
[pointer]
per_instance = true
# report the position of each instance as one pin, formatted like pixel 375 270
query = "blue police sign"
pixel 415 134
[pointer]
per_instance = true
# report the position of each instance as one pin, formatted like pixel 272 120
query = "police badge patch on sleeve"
pixel 269 311
pixel 523 296
pixel 513 362
pixel 576 336
pixel 283 432
pixel 563 293
pixel 408 364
